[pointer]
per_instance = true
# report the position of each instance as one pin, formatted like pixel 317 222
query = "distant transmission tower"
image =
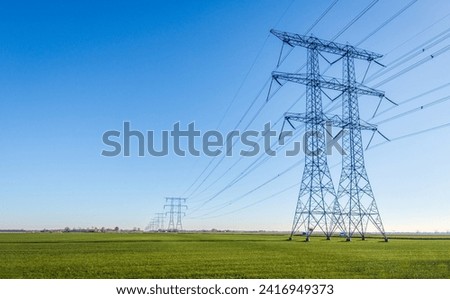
pixel 176 205
pixel 152 225
pixel 159 221
pixel 318 205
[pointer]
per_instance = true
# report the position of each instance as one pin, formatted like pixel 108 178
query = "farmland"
pixel 202 255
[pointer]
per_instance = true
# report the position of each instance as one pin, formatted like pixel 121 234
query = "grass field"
pixel 96 255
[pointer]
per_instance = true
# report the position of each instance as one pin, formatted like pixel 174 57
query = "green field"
pixel 158 255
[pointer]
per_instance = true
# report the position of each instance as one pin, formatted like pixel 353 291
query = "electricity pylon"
pixel 152 225
pixel 176 205
pixel 317 196
pixel 159 221
pixel 354 188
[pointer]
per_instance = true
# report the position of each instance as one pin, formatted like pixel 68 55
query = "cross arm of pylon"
pixel 293 40
pixel 175 198
pixel 323 118
pixel 329 83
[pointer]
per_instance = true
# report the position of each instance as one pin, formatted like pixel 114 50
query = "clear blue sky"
pixel 71 71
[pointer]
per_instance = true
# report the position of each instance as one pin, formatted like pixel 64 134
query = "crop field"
pixel 186 255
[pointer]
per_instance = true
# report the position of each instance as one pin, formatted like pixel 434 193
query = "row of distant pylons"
pixel 351 209
pixel 175 207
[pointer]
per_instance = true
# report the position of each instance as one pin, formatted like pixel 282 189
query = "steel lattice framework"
pixel 176 205
pixel 355 190
pixel 312 42
pixel 316 202
pixel 318 205
pixel 327 82
pixel 159 221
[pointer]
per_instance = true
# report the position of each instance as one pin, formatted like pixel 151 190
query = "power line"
pixel 253 102
pixel 253 166
pixel 394 16
pixel 198 177
pixel 284 13
pixel 223 156
pixel 251 67
pixel 239 89
pixel 254 203
pixel 317 21
pixel 298 163
pixel 290 168
pixel 242 83
pixel 234 142
pixel 413 53
pixel 336 36
pixel 420 108
pixel 441 100
pixel 401 137
pixel 257 141
pixel 415 35
pixel 363 12
pixel 412 134
pixel 325 12
pixel 250 168
pixel 413 66
pixel 346 27
pixel 413 98
pixel 290 187
pixel 398 13
pixel 284 172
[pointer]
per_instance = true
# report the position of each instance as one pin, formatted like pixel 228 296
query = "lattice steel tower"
pixel 176 205
pixel 318 205
pixel 354 186
pixel 317 197
pixel 160 221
